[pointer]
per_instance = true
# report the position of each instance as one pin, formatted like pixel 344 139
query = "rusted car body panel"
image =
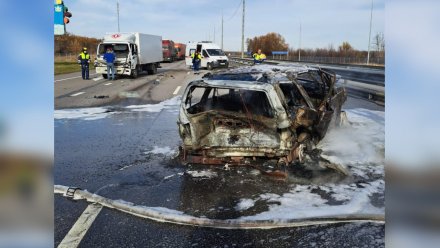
pixel 236 117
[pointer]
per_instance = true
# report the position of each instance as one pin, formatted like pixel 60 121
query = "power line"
pixel 235 12
pixel 369 35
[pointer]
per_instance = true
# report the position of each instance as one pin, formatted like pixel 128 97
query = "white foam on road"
pixel 77 94
pixel 202 174
pixel 360 145
pixel 97 78
pixel 244 204
pixel 168 177
pixel 82 113
pixel 96 113
pixel 108 84
pixel 167 104
pixel 302 202
pixel 162 150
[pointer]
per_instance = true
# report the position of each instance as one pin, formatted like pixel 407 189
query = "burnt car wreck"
pixel 260 112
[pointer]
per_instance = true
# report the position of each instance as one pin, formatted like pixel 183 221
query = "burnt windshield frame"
pixel 245 76
pixel 237 100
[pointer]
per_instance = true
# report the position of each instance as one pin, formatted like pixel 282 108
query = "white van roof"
pixel 205 44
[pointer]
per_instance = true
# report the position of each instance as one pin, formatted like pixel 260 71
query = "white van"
pixel 212 55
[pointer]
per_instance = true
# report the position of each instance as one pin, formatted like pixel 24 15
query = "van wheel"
pixel 153 70
pixel 104 76
pixel 209 66
pixel 135 72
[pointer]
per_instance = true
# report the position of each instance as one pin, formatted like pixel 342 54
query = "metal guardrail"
pixel 366 75
pixel 363 75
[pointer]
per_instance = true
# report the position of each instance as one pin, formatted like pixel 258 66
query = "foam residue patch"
pixel 167 104
pixel 82 113
pixel 162 150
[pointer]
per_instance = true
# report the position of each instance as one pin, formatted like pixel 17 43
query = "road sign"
pixel 59 27
pixel 280 52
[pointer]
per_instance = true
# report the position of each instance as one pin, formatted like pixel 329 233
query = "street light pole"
pixel 242 31
pixel 117 10
pixel 222 29
pixel 299 51
pixel 369 35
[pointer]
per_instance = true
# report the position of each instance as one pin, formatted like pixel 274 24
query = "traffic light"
pixel 67 15
pixel 61 17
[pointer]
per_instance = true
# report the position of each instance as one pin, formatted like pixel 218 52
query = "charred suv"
pixel 269 112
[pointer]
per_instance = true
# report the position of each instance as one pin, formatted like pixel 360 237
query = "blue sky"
pixel 323 22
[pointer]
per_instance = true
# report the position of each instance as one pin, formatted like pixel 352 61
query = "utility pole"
pixel 242 32
pixel 299 50
pixel 222 29
pixel 214 33
pixel 117 10
pixel 369 36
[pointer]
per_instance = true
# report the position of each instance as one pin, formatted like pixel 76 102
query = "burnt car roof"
pixel 232 84
pixel 260 73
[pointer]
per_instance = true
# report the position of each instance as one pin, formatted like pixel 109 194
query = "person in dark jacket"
pixel 84 60
pixel 110 57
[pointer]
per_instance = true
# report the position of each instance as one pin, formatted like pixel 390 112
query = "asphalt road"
pixel 71 91
pixel 128 154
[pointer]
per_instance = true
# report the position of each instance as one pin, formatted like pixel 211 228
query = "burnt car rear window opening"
pixel 203 99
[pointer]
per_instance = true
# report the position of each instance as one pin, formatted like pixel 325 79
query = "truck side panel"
pixel 150 48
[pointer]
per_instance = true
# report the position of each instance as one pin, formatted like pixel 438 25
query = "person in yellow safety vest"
pixel 84 60
pixel 259 57
pixel 196 60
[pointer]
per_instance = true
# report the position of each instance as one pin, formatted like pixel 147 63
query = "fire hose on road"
pixel 176 217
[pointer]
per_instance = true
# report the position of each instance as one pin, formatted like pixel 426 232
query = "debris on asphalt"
pixel 100 97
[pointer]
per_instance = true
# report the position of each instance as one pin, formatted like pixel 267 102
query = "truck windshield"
pixel 215 52
pixel 121 50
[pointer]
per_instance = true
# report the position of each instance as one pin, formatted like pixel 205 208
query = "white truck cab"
pixel 212 55
pixel 135 52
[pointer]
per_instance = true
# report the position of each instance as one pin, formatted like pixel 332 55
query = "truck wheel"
pixel 104 76
pixel 135 72
pixel 153 70
pixel 209 66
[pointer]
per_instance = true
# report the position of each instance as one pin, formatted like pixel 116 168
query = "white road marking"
pixel 81 226
pixel 107 83
pixel 64 79
pixel 77 94
pixel 97 78
pixel 177 90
